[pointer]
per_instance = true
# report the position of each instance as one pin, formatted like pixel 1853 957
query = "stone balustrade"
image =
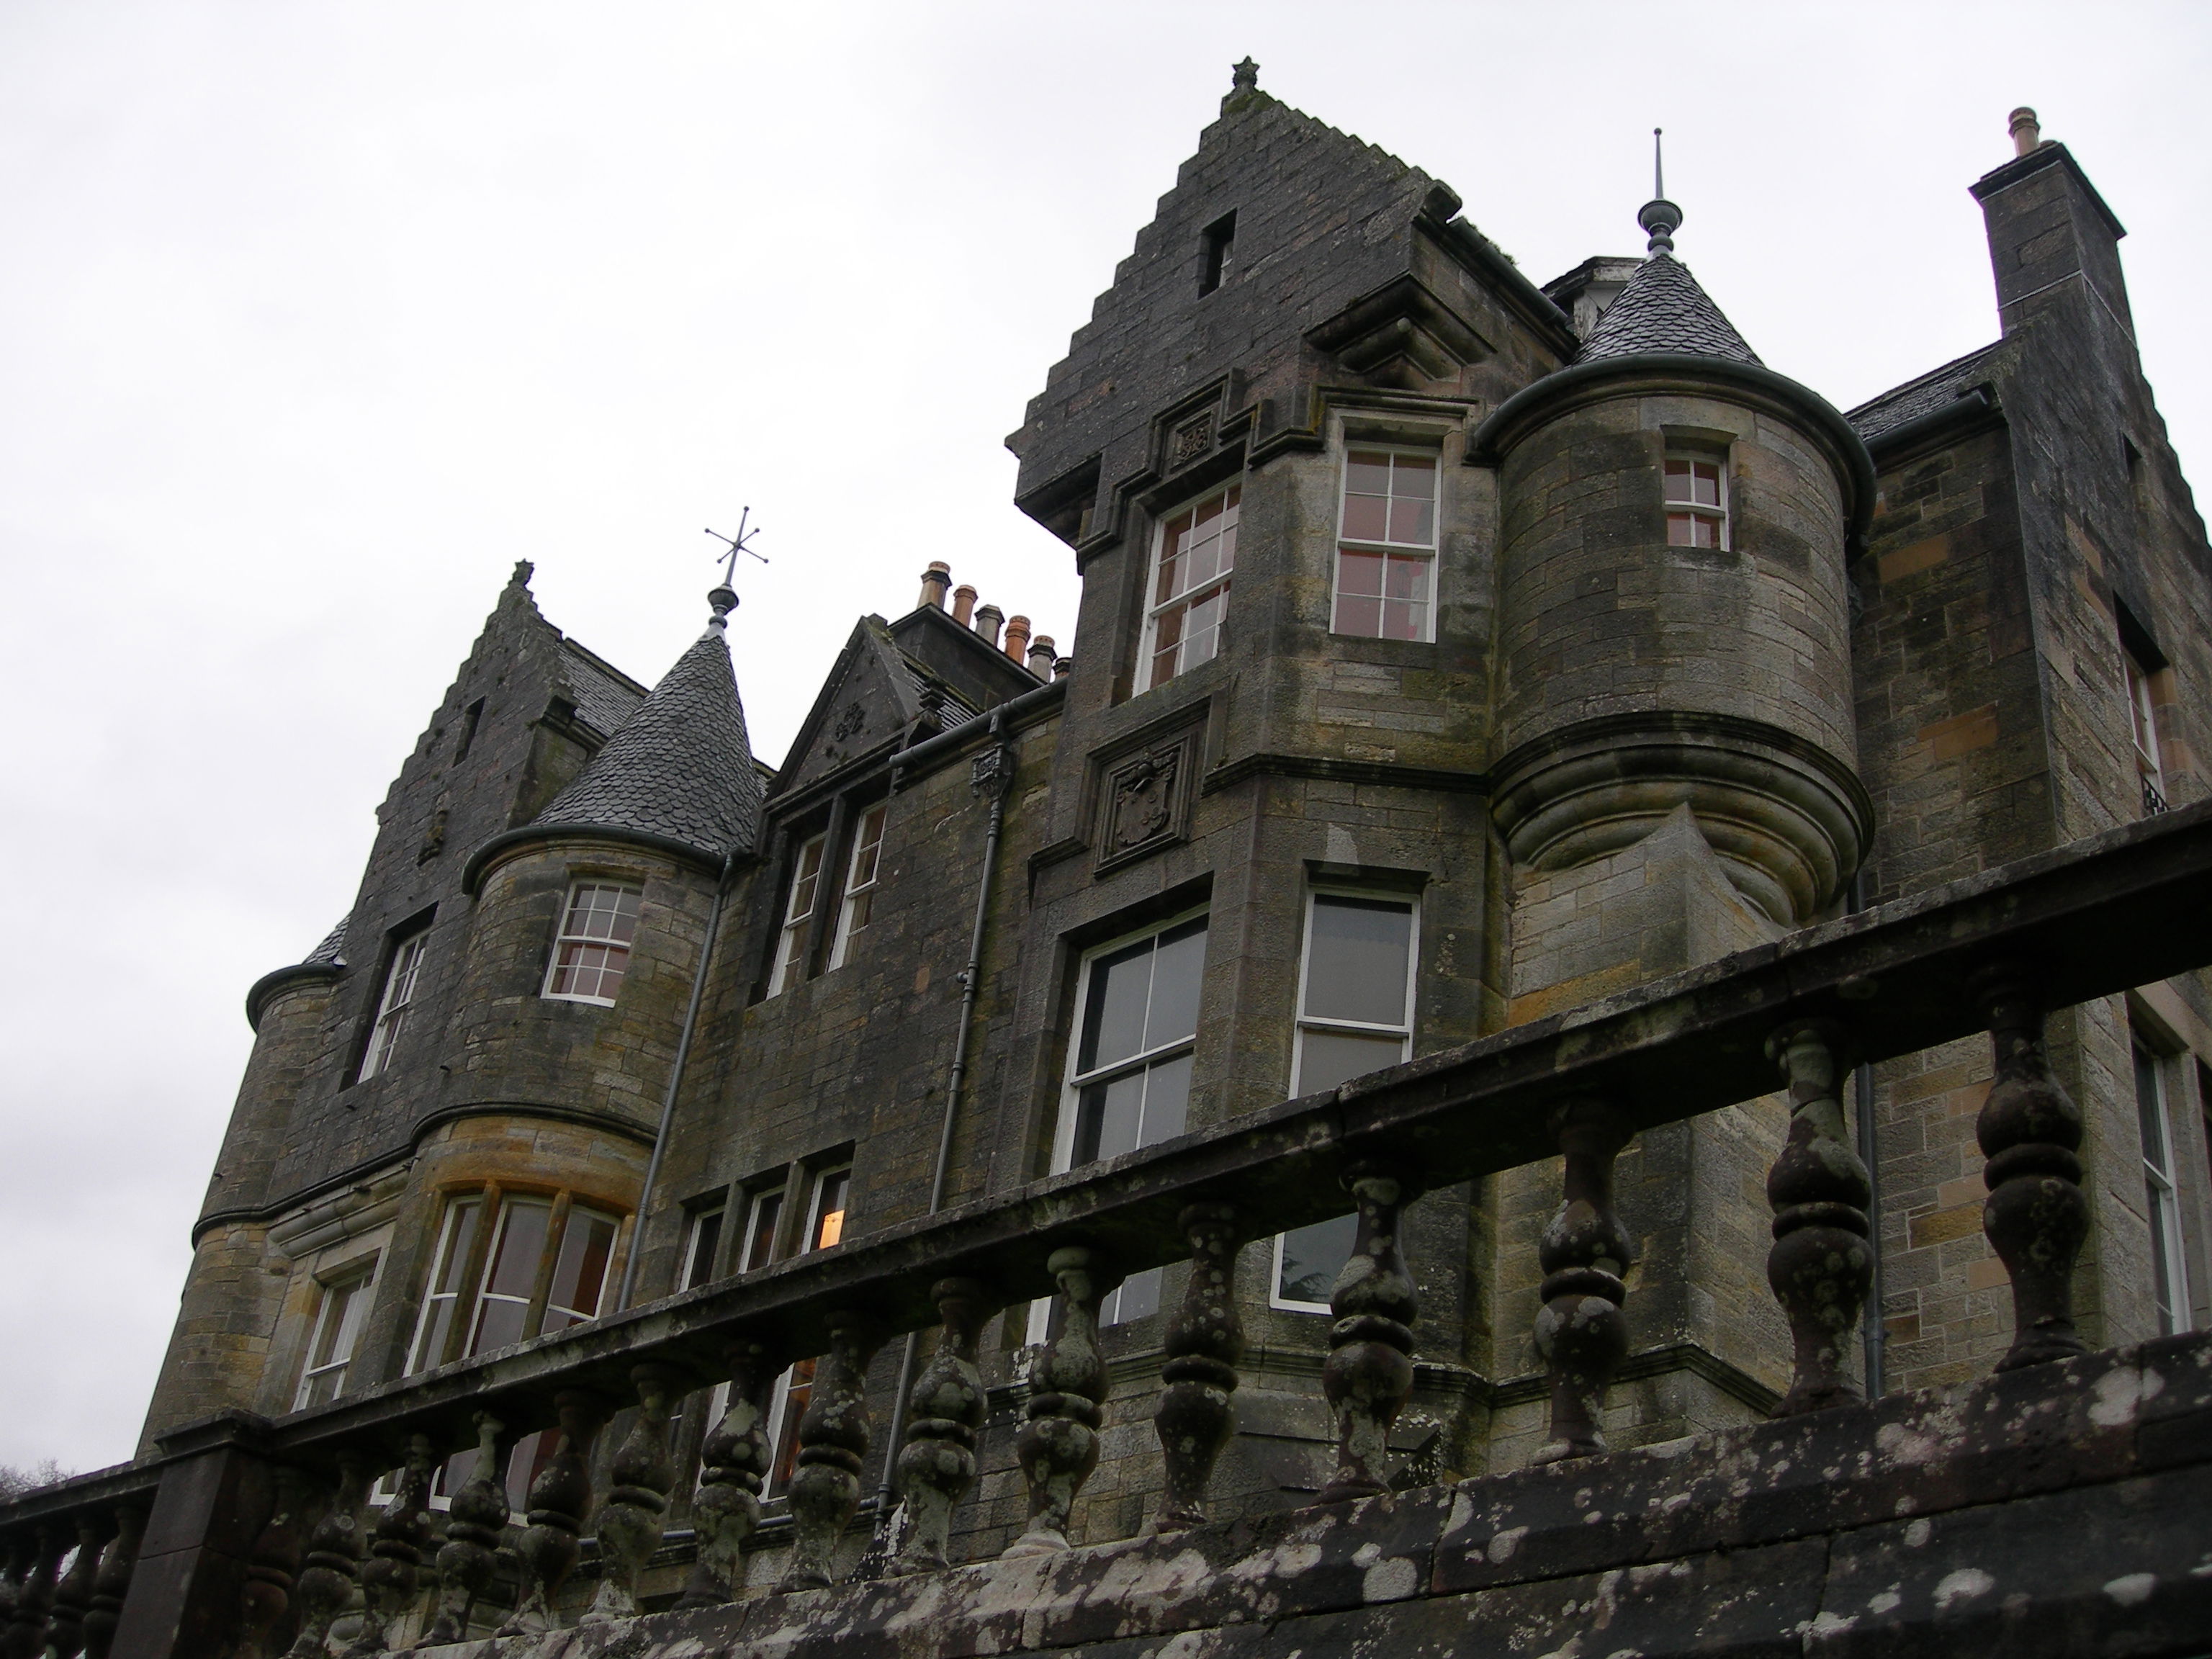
pixel 252 1536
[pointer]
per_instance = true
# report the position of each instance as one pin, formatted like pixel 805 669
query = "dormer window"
pixel 1697 503
pixel 1192 557
pixel 798 917
pixel 860 874
pixel 593 952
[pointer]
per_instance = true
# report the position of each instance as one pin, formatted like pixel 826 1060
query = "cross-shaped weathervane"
pixel 736 544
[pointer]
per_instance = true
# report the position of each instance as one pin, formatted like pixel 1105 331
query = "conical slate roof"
pixel 1663 309
pixel 681 767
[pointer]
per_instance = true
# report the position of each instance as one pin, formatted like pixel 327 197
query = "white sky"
pixel 316 317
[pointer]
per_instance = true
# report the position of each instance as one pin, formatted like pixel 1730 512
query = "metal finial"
pixel 724 596
pixel 1660 217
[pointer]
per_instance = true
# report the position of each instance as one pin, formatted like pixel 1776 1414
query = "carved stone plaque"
pixel 1144 797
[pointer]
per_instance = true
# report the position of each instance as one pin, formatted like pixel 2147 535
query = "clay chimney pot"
pixel 988 618
pixel 1040 656
pixel 2026 133
pixel 1018 637
pixel 934 581
pixel 963 603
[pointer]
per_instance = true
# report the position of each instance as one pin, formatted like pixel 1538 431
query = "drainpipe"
pixel 994 773
pixel 1873 1333
pixel 675 1081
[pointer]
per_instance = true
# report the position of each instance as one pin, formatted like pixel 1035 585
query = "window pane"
pixel 1366 518
pixel 340 1316
pixel 1176 969
pixel 1106 1117
pixel 513 1268
pixel 1113 1014
pixel 760 1245
pixel 1403 619
pixel 1138 1298
pixel 1167 1101
pixel 460 1236
pixel 1704 532
pixel 706 1240
pixel 1202 629
pixel 1312 1258
pixel 1328 1058
pixel 830 1191
pixel 1356 959
pixel 1678 481
pixel 1682 530
pixel 1705 484
pixel 1359 618
pixel 1367 473
pixel 1414 477
pixel 1359 573
pixel 579 1272
pixel 2156 1203
pixel 2148 1117
pixel 498 1322
pixel 1414 521
pixel 1408 579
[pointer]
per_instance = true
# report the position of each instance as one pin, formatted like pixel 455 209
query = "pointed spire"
pixel 1659 217
pixel 681 768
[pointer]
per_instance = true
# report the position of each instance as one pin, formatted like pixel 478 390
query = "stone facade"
pixel 1606 755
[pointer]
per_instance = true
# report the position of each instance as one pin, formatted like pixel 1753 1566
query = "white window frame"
pixel 357 1278
pixel 1306 1022
pixel 391 1008
pixel 1155 609
pixel 563 937
pixel 2162 1199
pixel 791 945
pixel 860 886
pixel 1387 549
pixel 760 1219
pixel 1073 1082
pixel 694 1274
pixel 1719 516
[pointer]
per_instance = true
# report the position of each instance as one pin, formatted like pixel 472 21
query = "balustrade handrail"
pixel 2127 908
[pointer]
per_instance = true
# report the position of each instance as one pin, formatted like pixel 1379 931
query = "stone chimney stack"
pixel 1018 637
pixel 988 622
pixel 934 581
pixel 2053 242
pixel 963 603
pixel 1040 656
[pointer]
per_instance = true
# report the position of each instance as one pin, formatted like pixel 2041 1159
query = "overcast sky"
pixel 315 318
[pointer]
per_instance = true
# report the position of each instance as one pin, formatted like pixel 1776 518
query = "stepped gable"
pixel 1663 309
pixel 681 767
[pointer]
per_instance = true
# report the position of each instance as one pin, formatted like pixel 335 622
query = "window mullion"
pixel 541 1283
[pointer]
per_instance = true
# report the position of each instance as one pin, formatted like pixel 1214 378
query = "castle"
pixel 1455 654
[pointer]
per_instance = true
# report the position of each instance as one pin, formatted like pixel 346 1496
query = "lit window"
pixel 1192 558
pixel 1697 503
pixel 798 914
pixel 1128 1082
pixel 592 953
pixel 2169 1280
pixel 2142 727
pixel 1386 555
pixel 480 1301
pixel 391 1008
pixel 825 1226
pixel 337 1328
pixel 1355 1016
pixel 859 882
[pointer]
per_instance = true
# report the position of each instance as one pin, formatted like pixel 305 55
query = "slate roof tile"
pixel 1931 391
pixel 681 766
pixel 1663 309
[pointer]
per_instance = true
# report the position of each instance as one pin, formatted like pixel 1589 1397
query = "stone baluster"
pixel 12 1576
pixel 1204 1340
pixel 73 1595
pixel 559 1498
pixel 27 1626
pixel 833 1444
pixel 1369 1374
pixel 1822 1263
pixel 629 1522
pixel 273 1565
pixel 392 1572
pixel 333 1559
pixel 944 1419
pixel 1580 1330
pixel 2030 1131
pixel 112 1583
pixel 1058 1446
pixel 468 1557
pixel 734 1467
